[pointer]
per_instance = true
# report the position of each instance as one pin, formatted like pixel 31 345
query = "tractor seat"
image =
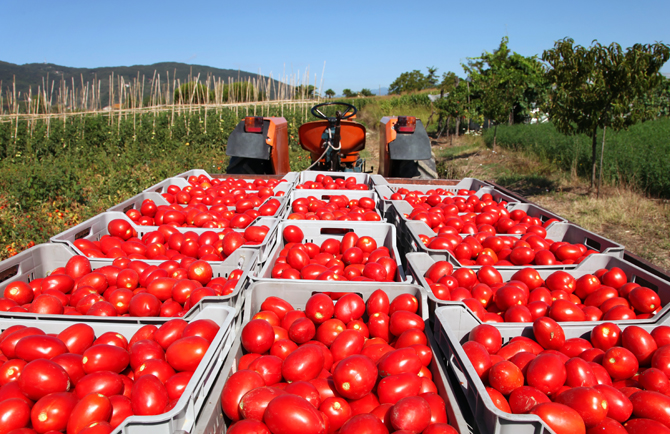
pixel 352 136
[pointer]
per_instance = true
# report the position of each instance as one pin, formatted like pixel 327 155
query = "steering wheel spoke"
pixel 350 110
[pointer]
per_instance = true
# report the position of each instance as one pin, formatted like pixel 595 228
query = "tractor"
pixel 259 145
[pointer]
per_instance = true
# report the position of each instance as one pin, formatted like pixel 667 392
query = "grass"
pixel 622 214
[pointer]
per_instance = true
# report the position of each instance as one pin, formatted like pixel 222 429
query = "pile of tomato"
pixel 350 367
pixel 168 243
pixel 416 197
pixel 338 207
pixel 614 382
pixel 326 182
pixel 353 258
pixel 125 288
pixel 605 295
pixel 231 184
pixel 79 383
pixel 219 213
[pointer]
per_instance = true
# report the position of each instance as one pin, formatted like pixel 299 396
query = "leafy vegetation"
pixel 636 157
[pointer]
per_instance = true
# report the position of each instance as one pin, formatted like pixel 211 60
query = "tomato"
pixel 349 307
pixel 560 418
pixel 291 413
pixel 72 365
pixel 505 377
pixel 488 336
pixel 403 320
pixel 564 310
pixel 579 373
pixel 393 388
pixel 293 234
pixel 105 358
pixel 588 402
pixel 644 300
pixel 102 382
pixel 438 270
pixel 355 376
pixel 185 354
pixel 34 347
pixel 524 398
pixel 620 363
pixel 254 402
pixel 479 357
pixel 14 414
pixel 651 405
pixel 399 361
pixel 176 384
pixel 235 388
pixel 42 377
pixel 615 278
pixel 52 412
pixel 337 410
pixel 92 408
pixel 205 328
pixel 319 308
pixel 269 367
pixel 546 373
pixel 639 342
pixel 248 426
pixel 364 423
pixel 440 428
pixel 548 333
pixel 608 426
pixel 619 406
pixel 605 336
pixel 642 426
pixel 257 336
pixel 303 364
pixel 19 292
pixel 411 413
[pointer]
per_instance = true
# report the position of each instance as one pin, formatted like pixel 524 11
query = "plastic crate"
pixel 325 195
pixel 361 178
pixel 319 231
pixel 183 415
pixel 94 228
pixel 451 329
pixel 557 231
pixel 290 177
pixel 212 420
pixel 452 185
pixel 40 260
pixel 419 263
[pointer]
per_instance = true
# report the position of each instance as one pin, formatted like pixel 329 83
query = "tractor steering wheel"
pixel 318 114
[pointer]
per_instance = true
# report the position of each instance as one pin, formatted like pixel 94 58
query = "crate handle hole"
pixel 82 234
pixel 9 273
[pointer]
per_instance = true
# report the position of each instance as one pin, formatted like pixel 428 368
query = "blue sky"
pixel 364 43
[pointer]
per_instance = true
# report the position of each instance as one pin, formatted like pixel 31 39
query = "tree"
pixel 431 79
pixel 409 82
pixel 506 82
pixel 366 92
pixel 330 93
pixel 348 93
pixel 304 92
pixel 601 87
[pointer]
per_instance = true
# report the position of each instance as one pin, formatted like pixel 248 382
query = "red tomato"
pixel 303 364
pixel 651 405
pixel 234 390
pixel 523 399
pixel 102 382
pixel 548 333
pixel 411 414
pixel 488 336
pixel 287 414
pixel 619 406
pixel 77 338
pixel 92 408
pixel 105 358
pixel 42 377
pixel 588 402
pixel 561 418
pixel 364 423
pixel 355 376
pixel 14 414
pixel 254 402
pixel 52 412
pixel 546 373
pixel 185 354
pixel 257 336
pixel 292 234
pixel 505 377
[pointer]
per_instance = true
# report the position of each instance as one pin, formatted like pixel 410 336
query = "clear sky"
pixel 364 43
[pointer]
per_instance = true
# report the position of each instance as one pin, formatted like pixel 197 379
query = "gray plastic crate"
pixel 325 195
pixel 451 329
pixel 319 231
pixel 419 263
pixel 183 415
pixel 211 419
pixel 94 228
pixel 297 292
pixel 453 186
pixel 361 178
pixel 39 261
pixel 557 231
pixel 180 182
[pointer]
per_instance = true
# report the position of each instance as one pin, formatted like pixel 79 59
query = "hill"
pixel 33 74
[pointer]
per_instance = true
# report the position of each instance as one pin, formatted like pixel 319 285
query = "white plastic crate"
pixel 451 329
pixel 419 263
pixel 557 231
pixel 39 261
pixel 325 196
pixel 319 231
pixel 183 415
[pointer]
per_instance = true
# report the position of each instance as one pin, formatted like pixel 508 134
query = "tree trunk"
pixel 511 117
pixel 448 125
pixel 458 125
pixel 594 147
pixel 495 133
pixel 600 173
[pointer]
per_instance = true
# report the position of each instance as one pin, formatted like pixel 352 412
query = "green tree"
pixel 409 82
pixel 601 87
pixel 506 82
pixel 431 79
pixel 192 93
pixel 304 92
pixel 348 93
pixel 330 93
pixel 366 92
